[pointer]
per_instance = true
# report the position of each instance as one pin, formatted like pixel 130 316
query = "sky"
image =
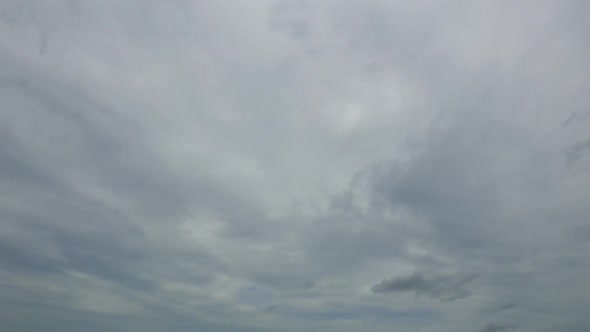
pixel 292 165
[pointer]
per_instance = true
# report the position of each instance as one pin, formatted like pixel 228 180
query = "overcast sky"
pixel 292 165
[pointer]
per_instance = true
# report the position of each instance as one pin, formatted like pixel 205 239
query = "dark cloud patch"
pixel 578 151
pixel 571 118
pixel 495 327
pixel 507 306
pixel 271 308
pixel 444 287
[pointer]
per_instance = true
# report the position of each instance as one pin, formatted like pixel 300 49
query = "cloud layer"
pixel 294 165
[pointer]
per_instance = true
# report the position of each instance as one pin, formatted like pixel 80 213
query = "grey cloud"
pixel 577 151
pixel 571 118
pixel 292 17
pixel 506 306
pixel 271 308
pixel 345 241
pixel 381 317
pixel 111 150
pixel 495 327
pixel 46 206
pixel 115 253
pixel 38 318
pixel 165 166
pixel 16 258
pixel 443 287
